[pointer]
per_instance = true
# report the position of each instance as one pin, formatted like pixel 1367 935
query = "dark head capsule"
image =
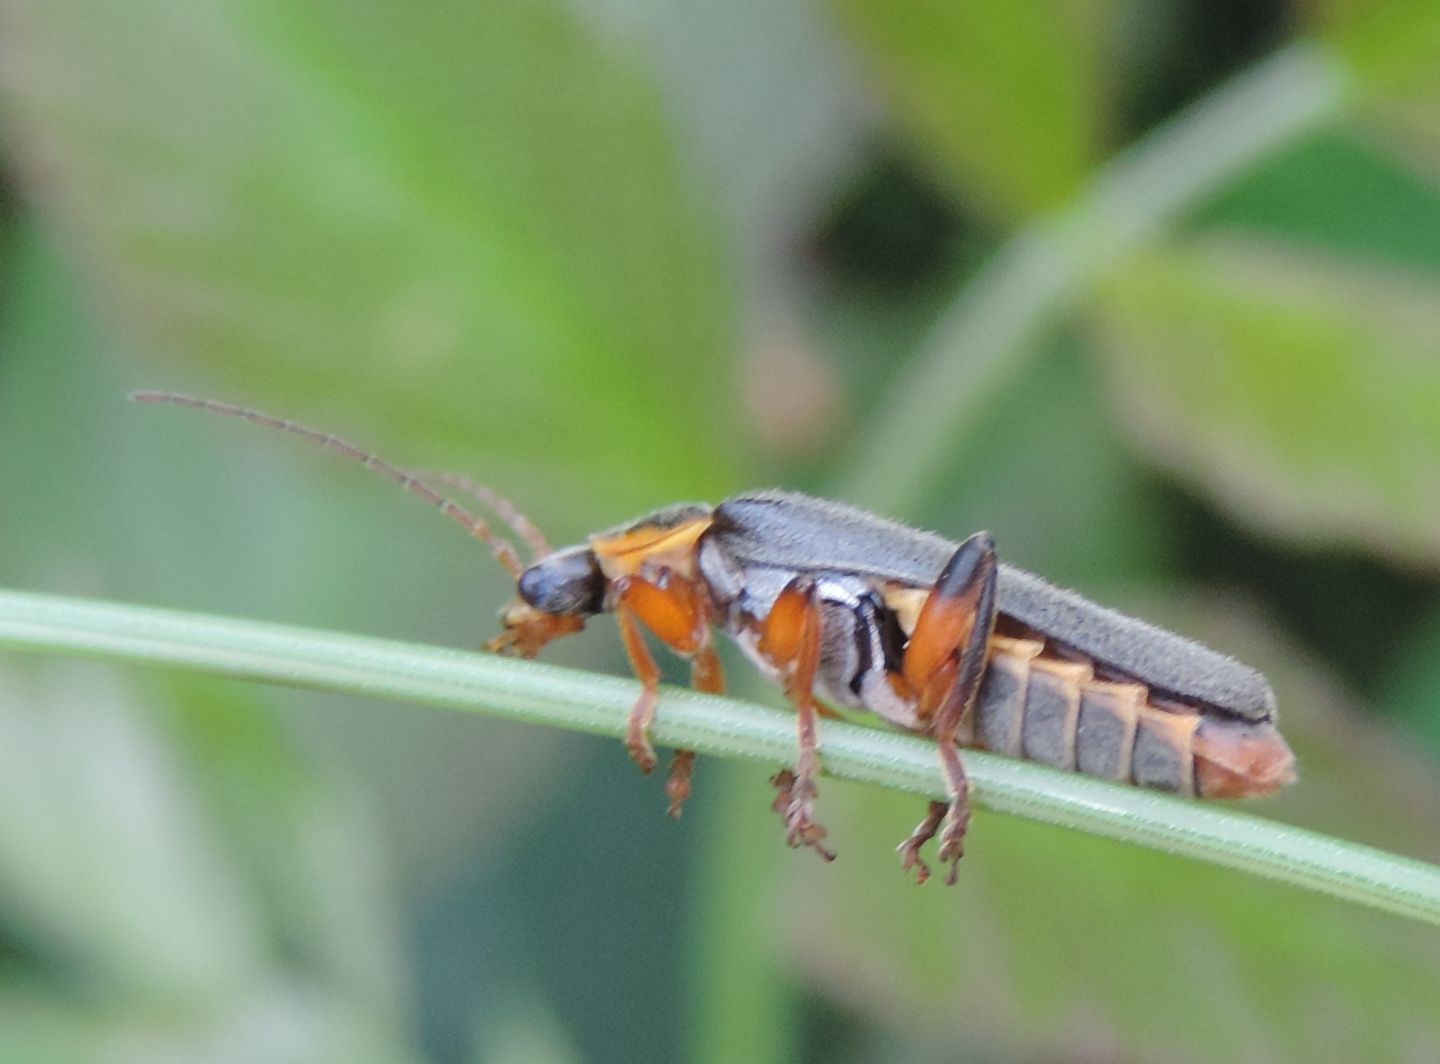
pixel 568 582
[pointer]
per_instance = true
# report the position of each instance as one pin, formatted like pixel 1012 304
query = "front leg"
pixel 944 665
pixel 790 642
pixel 677 611
pixel 642 714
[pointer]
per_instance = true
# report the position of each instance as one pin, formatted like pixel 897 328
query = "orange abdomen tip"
pixel 1235 759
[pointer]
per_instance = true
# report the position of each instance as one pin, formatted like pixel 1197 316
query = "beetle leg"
pixel 678 613
pixel 944 664
pixel 923 833
pixel 706 675
pixel 790 641
pixel 952 832
pixel 637 732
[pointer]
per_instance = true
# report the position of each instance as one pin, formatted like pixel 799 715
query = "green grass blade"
pixel 543 694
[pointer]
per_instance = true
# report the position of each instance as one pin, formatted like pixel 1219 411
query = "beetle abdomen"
pixel 1057 712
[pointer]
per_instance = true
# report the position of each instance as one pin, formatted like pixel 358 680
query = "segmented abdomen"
pixel 1056 711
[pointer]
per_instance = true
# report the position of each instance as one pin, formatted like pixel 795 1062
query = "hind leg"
pixel 944 664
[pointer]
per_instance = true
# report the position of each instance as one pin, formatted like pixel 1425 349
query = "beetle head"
pixel 557 593
pixel 568 582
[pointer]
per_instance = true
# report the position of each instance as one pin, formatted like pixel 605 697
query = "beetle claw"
pixel 909 850
pixel 912 861
pixel 952 838
pixel 677 787
pixel 643 754
pixel 794 801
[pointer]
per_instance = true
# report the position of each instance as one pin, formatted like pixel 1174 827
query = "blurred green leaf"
pixel 1393 45
pixel 105 859
pixel 767 103
pixel 1053 944
pixel 464 223
pixel 745 1002
pixel 1394 48
pixel 1340 192
pixel 202 881
pixel 301 842
pixel 1301 390
pixel 140 912
pixel 1044 269
pixel 1412 687
pixel 33 1027
pixel 185 510
pixel 524 1031
pixel 283 1023
pixel 1006 99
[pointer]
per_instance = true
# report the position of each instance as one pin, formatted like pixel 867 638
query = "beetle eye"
pixel 568 582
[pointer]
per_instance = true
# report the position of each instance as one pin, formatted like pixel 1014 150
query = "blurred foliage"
pixel 1031 76
pixel 1348 450
pixel 605 255
pixel 327 204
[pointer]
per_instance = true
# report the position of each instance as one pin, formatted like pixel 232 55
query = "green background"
pixel 609 254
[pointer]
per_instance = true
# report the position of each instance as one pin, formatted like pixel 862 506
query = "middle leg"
pixel 790 641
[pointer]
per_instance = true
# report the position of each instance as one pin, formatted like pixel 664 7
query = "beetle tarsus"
pixel 909 850
pixel 706 674
pixel 957 820
pixel 800 826
pixel 678 787
pixel 952 837
pixel 637 731
pixel 637 737
pixel 795 802
pixel 784 784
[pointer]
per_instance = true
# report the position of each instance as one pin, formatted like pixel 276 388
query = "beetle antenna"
pixel 504 552
pixel 507 510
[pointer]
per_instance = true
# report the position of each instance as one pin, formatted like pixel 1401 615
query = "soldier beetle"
pixel 844 608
